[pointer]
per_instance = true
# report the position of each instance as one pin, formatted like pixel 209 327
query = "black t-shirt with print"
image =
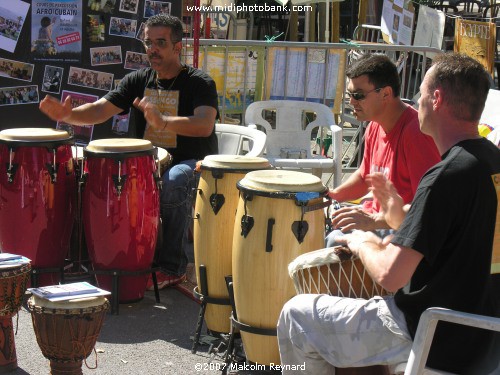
pixel 452 224
pixel 195 89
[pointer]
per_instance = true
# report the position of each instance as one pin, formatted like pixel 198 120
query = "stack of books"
pixel 8 260
pixel 65 292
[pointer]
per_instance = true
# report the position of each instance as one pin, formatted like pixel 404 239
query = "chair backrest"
pixel 289 131
pixel 240 140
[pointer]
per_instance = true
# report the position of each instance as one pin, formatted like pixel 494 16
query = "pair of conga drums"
pixel 251 222
pixel 38 192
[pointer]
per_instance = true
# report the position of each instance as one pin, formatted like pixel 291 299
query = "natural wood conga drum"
pixel 215 210
pixel 279 217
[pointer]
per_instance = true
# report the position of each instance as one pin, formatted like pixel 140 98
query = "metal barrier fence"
pixel 247 71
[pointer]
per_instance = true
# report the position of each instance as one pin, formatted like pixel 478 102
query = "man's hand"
pixel 355 239
pixel 151 113
pixel 54 109
pixel 350 218
pixel 393 208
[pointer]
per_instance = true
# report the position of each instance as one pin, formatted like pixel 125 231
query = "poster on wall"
pixel 81 134
pixel 12 16
pixel 397 21
pixel 56 30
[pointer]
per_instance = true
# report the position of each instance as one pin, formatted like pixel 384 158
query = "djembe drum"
pixel 67 331
pixel 13 282
pixel 279 216
pixel 335 271
pixel 215 208
pixel 38 192
pixel 121 211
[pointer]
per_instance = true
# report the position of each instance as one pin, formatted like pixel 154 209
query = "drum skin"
pixel 121 229
pixel 260 278
pixel 213 233
pixel 37 215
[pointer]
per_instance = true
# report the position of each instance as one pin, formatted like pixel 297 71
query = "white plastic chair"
pixel 290 137
pixel 240 140
pixel 425 333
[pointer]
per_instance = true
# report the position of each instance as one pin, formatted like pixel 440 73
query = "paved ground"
pixel 145 338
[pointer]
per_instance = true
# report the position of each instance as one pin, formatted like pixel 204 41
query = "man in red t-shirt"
pixel 394 145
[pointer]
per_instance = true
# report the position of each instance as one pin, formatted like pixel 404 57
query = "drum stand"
pixel 115 286
pixel 205 299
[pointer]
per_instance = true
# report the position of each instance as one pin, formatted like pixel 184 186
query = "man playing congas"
pixel 440 256
pixel 393 145
pixel 174 106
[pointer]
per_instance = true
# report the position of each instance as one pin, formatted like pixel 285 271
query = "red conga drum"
pixel 67 331
pixel 215 208
pixel 13 283
pixel 279 216
pixel 121 210
pixel 38 192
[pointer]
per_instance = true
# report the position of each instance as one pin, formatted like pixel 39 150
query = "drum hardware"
pixel 117 179
pixel 11 168
pixel 115 283
pixel 300 228
pixel 200 292
pixel 269 236
pixel 247 221
pixel 157 174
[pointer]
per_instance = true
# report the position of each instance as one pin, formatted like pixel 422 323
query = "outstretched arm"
pixel 86 114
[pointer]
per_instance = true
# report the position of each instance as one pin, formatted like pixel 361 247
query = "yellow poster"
pixel 477 40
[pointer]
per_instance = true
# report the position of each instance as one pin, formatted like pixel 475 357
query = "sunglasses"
pixel 160 43
pixel 358 96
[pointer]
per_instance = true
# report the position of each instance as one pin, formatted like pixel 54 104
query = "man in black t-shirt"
pixel 172 105
pixel 445 253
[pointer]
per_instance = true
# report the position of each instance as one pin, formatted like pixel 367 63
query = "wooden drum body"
pixel 279 217
pixel 13 283
pixel 67 331
pixel 336 272
pixel 215 210
pixel 121 210
pixel 38 196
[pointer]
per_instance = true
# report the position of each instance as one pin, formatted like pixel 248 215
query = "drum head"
pixel 119 145
pixel 73 304
pixel 34 135
pixel 238 162
pixel 282 181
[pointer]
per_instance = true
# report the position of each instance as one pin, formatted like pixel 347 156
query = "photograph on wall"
pixel 90 78
pixel 16 69
pixel 52 78
pixel 123 27
pixel 129 6
pixel 106 55
pixel 104 6
pixel 136 60
pixel 56 30
pixel 120 124
pixel 81 134
pixel 140 32
pixel 96 28
pixel 152 8
pixel 19 95
pixel 12 16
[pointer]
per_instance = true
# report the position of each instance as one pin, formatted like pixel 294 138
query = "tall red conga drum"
pixel 38 192
pixel 279 216
pixel 215 209
pixel 121 210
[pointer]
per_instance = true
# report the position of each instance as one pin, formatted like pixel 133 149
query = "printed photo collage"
pixel 57 44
